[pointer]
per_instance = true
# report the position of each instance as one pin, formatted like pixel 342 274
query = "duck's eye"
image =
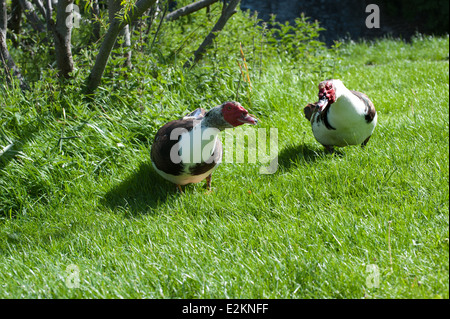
pixel 229 108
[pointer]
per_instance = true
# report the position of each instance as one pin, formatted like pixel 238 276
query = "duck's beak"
pixel 323 102
pixel 246 118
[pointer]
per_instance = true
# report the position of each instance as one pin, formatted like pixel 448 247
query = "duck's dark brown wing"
pixel 215 158
pixel 309 110
pixel 369 112
pixel 162 145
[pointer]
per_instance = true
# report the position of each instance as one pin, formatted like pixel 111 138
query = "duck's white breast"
pixel 346 116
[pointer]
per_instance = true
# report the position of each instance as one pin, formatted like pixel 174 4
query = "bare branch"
pixel 227 12
pixel 193 7
pixel 28 10
pixel 5 58
pixel 40 7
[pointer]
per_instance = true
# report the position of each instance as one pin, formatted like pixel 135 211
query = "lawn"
pixel 84 215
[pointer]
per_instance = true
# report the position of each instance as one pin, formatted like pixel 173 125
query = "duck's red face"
pixel 236 115
pixel 327 94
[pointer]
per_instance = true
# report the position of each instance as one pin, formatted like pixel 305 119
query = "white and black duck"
pixel 341 117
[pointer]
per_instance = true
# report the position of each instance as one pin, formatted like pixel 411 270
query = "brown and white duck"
pixel 341 117
pixel 188 150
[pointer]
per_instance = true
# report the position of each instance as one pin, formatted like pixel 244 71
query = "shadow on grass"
pixel 141 192
pixel 15 147
pixel 11 203
pixel 293 154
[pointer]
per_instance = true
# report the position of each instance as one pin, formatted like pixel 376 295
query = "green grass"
pixel 308 231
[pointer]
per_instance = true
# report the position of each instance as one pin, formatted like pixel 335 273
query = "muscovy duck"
pixel 188 150
pixel 341 117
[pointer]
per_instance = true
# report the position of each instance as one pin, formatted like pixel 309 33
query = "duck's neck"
pixel 214 119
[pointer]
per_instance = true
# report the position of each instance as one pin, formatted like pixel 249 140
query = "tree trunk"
pixel 227 12
pixel 16 16
pixel 62 32
pixel 189 9
pixel 5 58
pixel 114 7
pixel 115 26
